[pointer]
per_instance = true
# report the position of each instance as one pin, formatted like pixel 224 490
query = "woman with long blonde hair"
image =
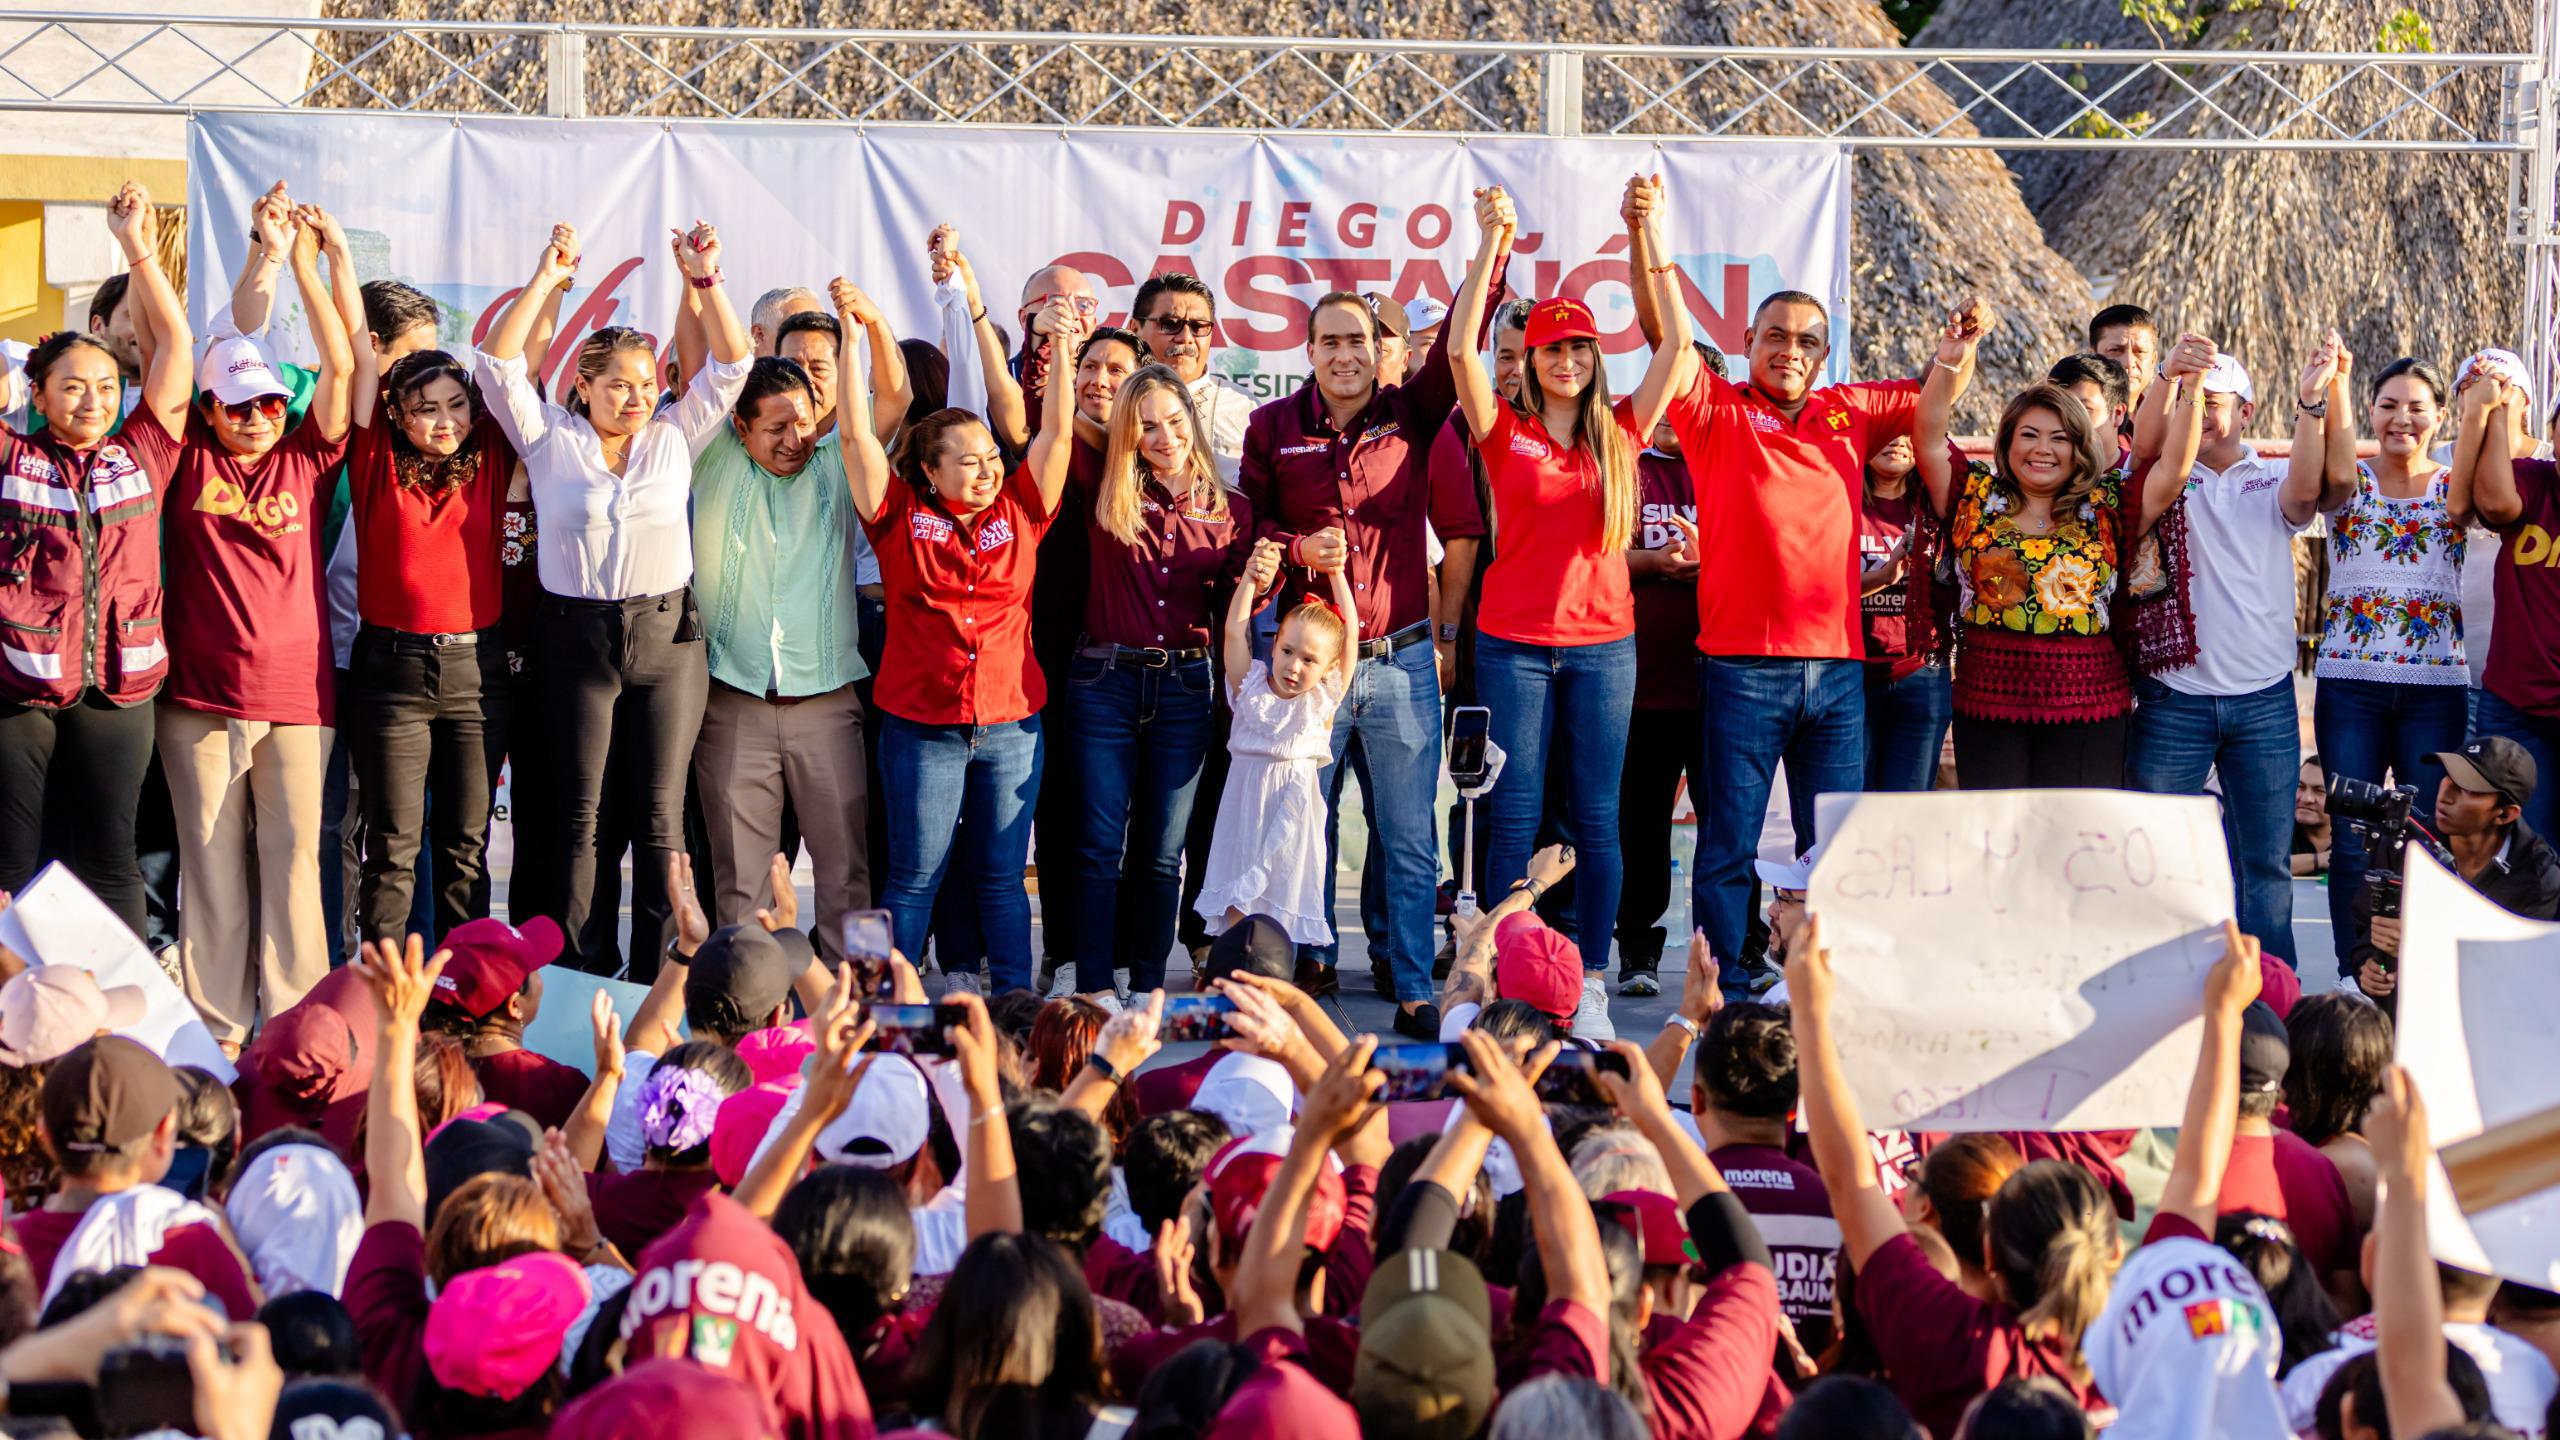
pixel 1167 540
pixel 1556 653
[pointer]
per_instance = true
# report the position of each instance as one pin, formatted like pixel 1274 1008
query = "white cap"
pixel 2227 377
pixel 889 1118
pixel 2505 364
pixel 234 369
pixel 2187 1347
pixel 1796 874
pixel 1422 312
pixel 1250 1093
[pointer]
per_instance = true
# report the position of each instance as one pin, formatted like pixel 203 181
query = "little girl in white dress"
pixel 1266 856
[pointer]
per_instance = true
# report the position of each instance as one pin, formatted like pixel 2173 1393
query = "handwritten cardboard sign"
pixel 2024 959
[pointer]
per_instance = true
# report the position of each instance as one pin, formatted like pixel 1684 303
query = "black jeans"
pixel 82 765
pixel 624 682
pixel 427 720
pixel 2013 755
pixel 1662 746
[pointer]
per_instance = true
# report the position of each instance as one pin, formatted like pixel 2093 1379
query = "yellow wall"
pixel 29 307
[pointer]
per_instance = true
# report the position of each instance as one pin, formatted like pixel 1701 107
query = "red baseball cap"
pixel 1660 1230
pixel 489 960
pixel 665 1400
pixel 1554 320
pixel 1536 963
pixel 1240 1174
pixel 493 1331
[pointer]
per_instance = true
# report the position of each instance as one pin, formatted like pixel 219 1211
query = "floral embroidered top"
pixel 2394 610
pixel 2057 584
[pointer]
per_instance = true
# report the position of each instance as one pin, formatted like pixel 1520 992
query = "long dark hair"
pixel 414 469
pixel 1014 1348
pixel 2304 1312
pixel 2341 1045
pixel 849 1228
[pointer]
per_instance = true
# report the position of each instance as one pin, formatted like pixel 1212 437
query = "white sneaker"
pixel 960 982
pixel 1591 1021
pixel 1109 1000
pixel 1062 982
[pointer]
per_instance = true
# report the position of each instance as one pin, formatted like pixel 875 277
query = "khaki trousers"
pixel 252 936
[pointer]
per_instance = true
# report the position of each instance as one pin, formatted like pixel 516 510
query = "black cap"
pixel 2266 1051
pixel 1255 945
pixel 741 974
pixel 2495 765
pixel 461 1149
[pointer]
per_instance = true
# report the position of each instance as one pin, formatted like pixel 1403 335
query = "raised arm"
pixel 1052 448
pixel 866 465
pixel 1838 1137
pixel 253 292
pixel 1266 1286
pixel 892 395
pixel 559 260
pixel 1643 253
pixel 725 333
pixel 828 1080
pixel 1950 371
pixel 168 379
pixel 1349 609
pixel 693 345
pixel 1700 998
pixel 2408 1303
pixel 317 231
pixel 2194 1191
pixel 2306 469
pixel 2339 480
pixel 1639 1097
pixel 585 1130
pixel 1005 412
pixel 994 1192
pixel 2489 405
pixel 401 978
pixel 1476 400
pixel 1500 1095
pixel 1471 979
pixel 1236 639
pixel 2183 437
pixel 1674 367
pixel 662 1009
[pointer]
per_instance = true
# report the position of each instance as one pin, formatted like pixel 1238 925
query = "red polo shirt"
pixel 1553 582
pixel 1778 506
pixel 1373 478
pixel 958 650
pixel 1162 592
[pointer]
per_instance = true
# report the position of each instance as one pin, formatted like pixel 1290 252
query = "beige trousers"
pixel 252 936
pixel 751 755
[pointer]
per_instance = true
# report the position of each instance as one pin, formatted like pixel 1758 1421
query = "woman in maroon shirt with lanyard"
pixel 1556 653
pixel 1165 537
pixel 80 646
pixel 958 542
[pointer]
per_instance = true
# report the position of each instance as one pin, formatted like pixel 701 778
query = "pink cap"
pixel 51 1010
pixel 495 1330
pixel 485 1110
pixel 776 1053
pixel 665 1400
pixel 740 1127
pixel 1534 963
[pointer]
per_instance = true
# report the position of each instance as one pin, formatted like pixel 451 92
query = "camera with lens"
pixel 2380 817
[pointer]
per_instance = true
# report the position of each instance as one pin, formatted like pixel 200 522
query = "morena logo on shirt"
pixel 2207 1295
pixel 1530 446
pixel 716 1287
pixel 1317 448
pixel 929 527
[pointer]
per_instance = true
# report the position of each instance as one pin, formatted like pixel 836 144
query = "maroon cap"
pixel 303 1052
pixel 489 960
pixel 1658 1227
pixel 665 1400
pixel 1538 964
pixel 1240 1175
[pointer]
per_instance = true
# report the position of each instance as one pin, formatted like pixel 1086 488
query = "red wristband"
pixel 704 282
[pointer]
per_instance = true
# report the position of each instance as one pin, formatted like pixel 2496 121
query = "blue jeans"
pixel 2367 727
pixel 2254 742
pixel 1141 738
pixel 1389 729
pixel 1907 725
pixel 963 792
pixel 2540 737
pixel 1583 696
pixel 1756 712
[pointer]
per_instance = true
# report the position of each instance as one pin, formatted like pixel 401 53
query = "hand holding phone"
pixel 868 939
pixel 1418 1072
pixel 916 1029
pixel 1572 1078
pixel 1195 1017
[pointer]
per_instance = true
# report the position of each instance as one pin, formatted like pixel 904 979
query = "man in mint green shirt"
pixel 773 557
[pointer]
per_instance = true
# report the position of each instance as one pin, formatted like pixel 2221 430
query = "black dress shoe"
pixel 1315 979
pixel 1422 1022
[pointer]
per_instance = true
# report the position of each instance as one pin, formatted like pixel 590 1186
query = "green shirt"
pixel 773 570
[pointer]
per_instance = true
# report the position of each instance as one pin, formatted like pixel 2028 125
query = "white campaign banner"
pixel 2021 959
pixel 2479 1028
pixel 1271 222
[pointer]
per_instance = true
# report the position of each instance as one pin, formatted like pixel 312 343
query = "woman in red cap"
pixel 1557 653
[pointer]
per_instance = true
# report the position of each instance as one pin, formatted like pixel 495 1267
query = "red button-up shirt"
pixel 1778 506
pixel 1163 591
pixel 958 649
pixel 1372 478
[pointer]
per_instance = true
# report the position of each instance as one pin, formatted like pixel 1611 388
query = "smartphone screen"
pixel 915 1029
pixel 1570 1078
pixel 1417 1072
pixel 1195 1017
pixel 867 940
pixel 1468 727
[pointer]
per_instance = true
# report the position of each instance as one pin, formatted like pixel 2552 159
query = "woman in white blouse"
pixel 618 638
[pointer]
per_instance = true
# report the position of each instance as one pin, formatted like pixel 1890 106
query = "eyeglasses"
pixel 1085 304
pixel 1176 325
pixel 271 406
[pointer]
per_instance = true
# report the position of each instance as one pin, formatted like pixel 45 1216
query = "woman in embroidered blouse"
pixel 2036 536
pixel 2393 687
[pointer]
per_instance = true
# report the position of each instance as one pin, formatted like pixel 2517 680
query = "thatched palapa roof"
pixel 1929 226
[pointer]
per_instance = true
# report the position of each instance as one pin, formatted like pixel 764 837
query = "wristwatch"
pixel 1447 631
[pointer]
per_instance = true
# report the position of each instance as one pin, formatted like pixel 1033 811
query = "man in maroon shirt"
pixel 1339 474
pixel 1743 1093
pixel 109 1111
